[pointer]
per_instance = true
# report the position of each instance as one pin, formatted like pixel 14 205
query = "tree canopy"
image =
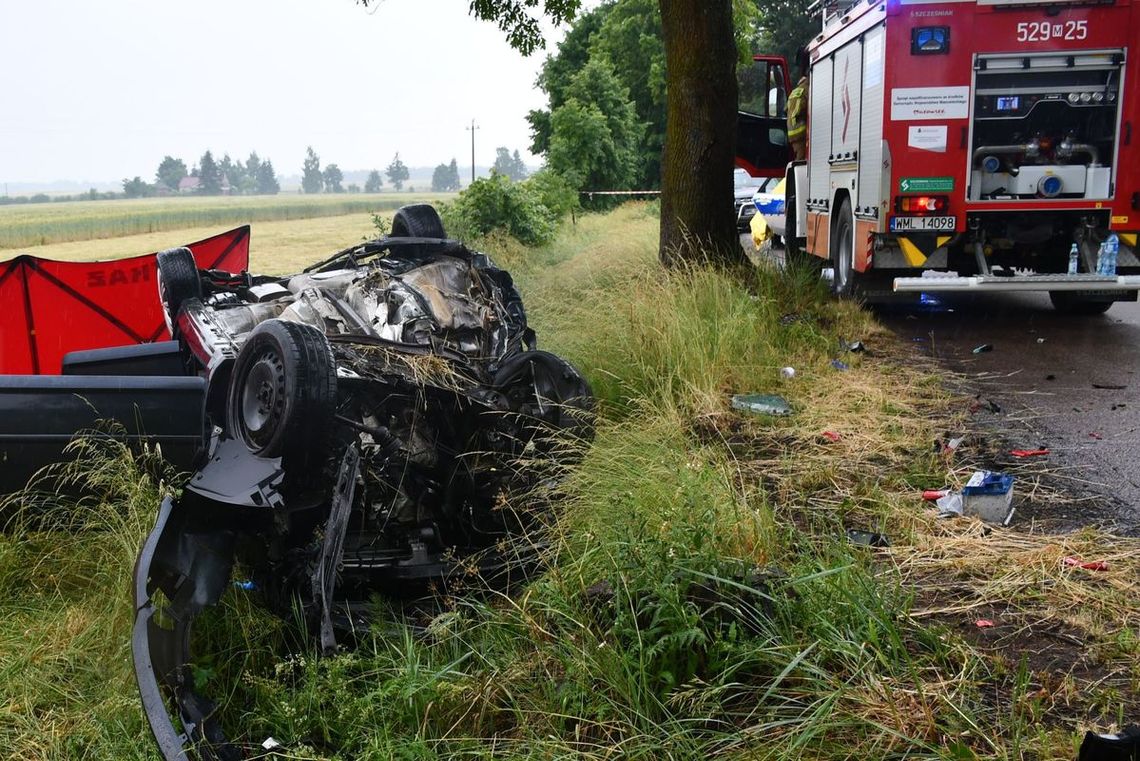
pixel 397 173
pixel 333 178
pixel 594 133
pixel 171 171
pixel 209 175
pixel 511 166
pixel 374 182
pixel 445 178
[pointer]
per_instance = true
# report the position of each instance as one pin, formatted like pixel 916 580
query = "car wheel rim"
pixel 262 399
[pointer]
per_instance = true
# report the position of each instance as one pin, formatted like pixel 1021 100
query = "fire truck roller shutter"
pixel 871 148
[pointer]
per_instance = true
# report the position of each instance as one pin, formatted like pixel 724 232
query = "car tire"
pixel 419 220
pixel 1067 302
pixel 178 281
pixel 282 393
pixel 842 247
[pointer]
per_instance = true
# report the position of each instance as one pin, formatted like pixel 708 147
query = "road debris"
pixel 983 348
pixel 1095 435
pixel 762 404
pixel 855 347
pixel 1091 565
pixel 788 372
pixel 841 366
pixel 933 495
pixel 988 496
pixel 1023 453
pixel 1109 386
pixel 867 538
pixel 985 404
pixel 950 505
pixel 949 446
pixel 831 436
pixel 984 623
pixel 1123 746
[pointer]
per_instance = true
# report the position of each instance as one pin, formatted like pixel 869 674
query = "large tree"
pixel 267 179
pixel 593 134
pixel 333 178
pixel 311 178
pixel 210 175
pixel 700 134
pixel 374 182
pixel 511 166
pixel 397 173
pixel 170 172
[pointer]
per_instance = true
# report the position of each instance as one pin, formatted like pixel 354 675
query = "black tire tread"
pixel 178 279
pixel 844 215
pixel 1065 303
pixel 417 220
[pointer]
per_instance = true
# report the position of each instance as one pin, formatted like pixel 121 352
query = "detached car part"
pixel 374 418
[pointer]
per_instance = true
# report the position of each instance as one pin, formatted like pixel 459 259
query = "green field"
pixel 27 225
pixel 275 247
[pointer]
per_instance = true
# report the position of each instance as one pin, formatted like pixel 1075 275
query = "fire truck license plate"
pixel 917 224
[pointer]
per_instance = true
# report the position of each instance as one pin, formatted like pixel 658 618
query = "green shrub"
pixel 518 208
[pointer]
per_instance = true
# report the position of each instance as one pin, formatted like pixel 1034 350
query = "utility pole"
pixel 472 129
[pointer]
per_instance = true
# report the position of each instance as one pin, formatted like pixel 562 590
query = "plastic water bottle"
pixel 1111 251
pixel 1101 255
pixel 1073 260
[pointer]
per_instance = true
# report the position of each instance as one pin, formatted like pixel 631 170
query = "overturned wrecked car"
pixel 371 424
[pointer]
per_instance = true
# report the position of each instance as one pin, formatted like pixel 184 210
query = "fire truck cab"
pixel 962 145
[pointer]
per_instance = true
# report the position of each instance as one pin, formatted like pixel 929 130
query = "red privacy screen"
pixel 48 308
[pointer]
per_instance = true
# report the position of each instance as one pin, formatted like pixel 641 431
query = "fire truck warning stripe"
pixel 918 250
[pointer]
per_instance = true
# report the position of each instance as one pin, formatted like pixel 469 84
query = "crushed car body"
pixel 373 422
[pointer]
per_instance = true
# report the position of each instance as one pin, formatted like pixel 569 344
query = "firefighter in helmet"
pixel 797 109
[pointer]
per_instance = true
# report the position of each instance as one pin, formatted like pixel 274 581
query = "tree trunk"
pixel 697 222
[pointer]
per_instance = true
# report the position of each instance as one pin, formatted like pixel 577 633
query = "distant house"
pixel 189 184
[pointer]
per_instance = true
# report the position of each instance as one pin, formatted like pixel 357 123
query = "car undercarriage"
pixel 373 425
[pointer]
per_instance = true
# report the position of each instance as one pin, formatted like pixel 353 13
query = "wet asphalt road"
pixel 1044 369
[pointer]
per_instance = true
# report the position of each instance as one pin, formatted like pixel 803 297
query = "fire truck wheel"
pixel 843 252
pixel 1067 302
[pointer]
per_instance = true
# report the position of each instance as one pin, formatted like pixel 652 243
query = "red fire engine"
pixel 962 145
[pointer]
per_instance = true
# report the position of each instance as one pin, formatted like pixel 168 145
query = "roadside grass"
pixel 700 597
pixel 24 226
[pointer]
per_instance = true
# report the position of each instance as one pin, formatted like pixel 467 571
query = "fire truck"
pixel 961 145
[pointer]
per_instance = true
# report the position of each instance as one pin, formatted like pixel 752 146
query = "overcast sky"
pixel 99 91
